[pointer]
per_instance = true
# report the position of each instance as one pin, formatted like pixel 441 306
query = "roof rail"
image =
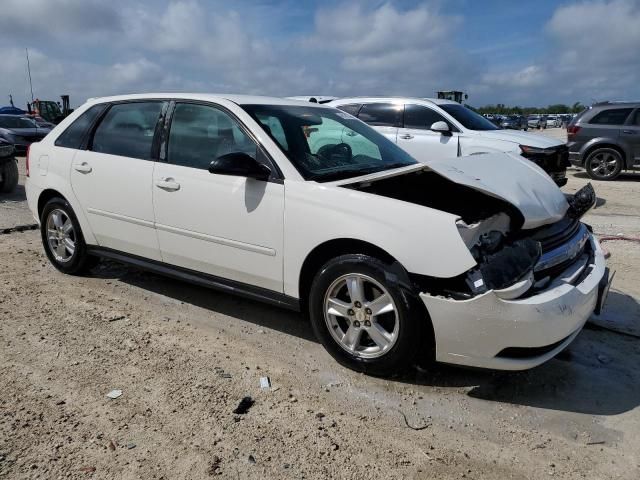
pixel 615 102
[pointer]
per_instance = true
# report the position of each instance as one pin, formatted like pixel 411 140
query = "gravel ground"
pixel 184 357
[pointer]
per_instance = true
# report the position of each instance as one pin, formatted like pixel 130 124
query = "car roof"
pixel 418 100
pixel 206 97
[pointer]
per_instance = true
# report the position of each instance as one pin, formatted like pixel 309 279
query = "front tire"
pixel 365 318
pixel 9 176
pixel 62 238
pixel 604 164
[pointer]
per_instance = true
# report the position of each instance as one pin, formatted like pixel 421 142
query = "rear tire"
pixel 365 318
pixel 604 164
pixel 62 238
pixel 9 176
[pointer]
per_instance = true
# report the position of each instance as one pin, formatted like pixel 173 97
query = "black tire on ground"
pixel 414 335
pixel 604 164
pixel 9 176
pixel 80 261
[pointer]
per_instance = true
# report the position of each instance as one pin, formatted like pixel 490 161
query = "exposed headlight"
pixel 528 150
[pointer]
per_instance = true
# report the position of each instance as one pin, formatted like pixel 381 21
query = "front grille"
pixel 554 235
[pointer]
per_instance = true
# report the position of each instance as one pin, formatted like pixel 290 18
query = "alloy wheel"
pixel 61 235
pixel 604 164
pixel 361 316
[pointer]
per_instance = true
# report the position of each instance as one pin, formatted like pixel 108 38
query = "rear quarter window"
pixel 381 114
pixel 612 116
pixel 75 134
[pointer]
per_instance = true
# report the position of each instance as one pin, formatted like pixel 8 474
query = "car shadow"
pixel 597 374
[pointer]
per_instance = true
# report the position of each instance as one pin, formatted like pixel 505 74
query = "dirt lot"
pixel 184 356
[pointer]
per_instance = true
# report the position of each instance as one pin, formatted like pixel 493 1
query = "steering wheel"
pixel 341 149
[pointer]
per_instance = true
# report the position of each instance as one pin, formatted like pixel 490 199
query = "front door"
pixel 630 136
pixel 112 178
pixel 420 141
pixel 226 226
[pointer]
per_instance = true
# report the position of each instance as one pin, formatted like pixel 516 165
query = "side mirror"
pixel 441 127
pixel 239 164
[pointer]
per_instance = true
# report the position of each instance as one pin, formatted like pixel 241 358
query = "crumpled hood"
pixel 505 176
pixel 510 178
pixel 519 138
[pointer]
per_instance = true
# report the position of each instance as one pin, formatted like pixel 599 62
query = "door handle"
pixel 168 184
pixel 406 136
pixel 351 134
pixel 629 132
pixel 83 167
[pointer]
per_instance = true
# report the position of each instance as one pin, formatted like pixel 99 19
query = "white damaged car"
pixel 303 206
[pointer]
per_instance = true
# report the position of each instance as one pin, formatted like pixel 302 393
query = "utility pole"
pixel 29 70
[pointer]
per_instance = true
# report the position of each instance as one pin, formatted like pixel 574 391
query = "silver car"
pixel 605 139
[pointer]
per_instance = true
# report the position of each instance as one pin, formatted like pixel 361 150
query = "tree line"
pixel 502 109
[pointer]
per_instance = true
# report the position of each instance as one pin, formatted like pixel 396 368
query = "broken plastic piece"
pixel 265 383
pixel 113 394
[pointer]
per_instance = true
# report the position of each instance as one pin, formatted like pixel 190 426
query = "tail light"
pixel 27 159
pixel 572 130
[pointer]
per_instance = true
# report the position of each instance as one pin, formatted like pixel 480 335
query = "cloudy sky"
pixel 513 52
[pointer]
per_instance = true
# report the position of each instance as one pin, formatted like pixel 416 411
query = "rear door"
pixel 417 138
pixel 112 178
pixel 386 118
pixel 630 137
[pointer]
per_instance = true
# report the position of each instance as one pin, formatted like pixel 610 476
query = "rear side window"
pixel 636 118
pixel 75 133
pixel 381 114
pixel 127 130
pixel 352 108
pixel 420 117
pixel 613 116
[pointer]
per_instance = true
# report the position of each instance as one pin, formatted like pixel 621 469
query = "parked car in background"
pixel 434 129
pixel 553 121
pixel 8 168
pixel 604 139
pixel 485 264
pixel 21 131
pixel 515 122
pixel 313 98
pixel 537 121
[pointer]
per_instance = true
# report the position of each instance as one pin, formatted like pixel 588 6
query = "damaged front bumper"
pixel 492 330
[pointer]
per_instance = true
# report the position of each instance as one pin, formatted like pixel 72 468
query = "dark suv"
pixel 604 139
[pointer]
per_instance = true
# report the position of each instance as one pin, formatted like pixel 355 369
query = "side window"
pixel 352 108
pixel 127 130
pixel 273 127
pixel 612 116
pixel 421 117
pixel 199 134
pixel 381 114
pixel 73 136
pixel 636 119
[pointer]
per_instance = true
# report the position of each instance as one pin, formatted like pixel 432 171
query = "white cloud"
pixel 592 54
pixel 91 48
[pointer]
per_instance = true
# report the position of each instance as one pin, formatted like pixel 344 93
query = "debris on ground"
pixel 265 383
pixel 113 394
pixel 243 407
pixel 412 427
pixel 115 318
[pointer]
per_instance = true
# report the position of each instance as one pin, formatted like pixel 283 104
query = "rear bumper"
pixel 490 332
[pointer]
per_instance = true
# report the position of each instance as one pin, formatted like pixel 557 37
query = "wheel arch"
pixel 324 252
pixel 605 144
pixel 47 195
